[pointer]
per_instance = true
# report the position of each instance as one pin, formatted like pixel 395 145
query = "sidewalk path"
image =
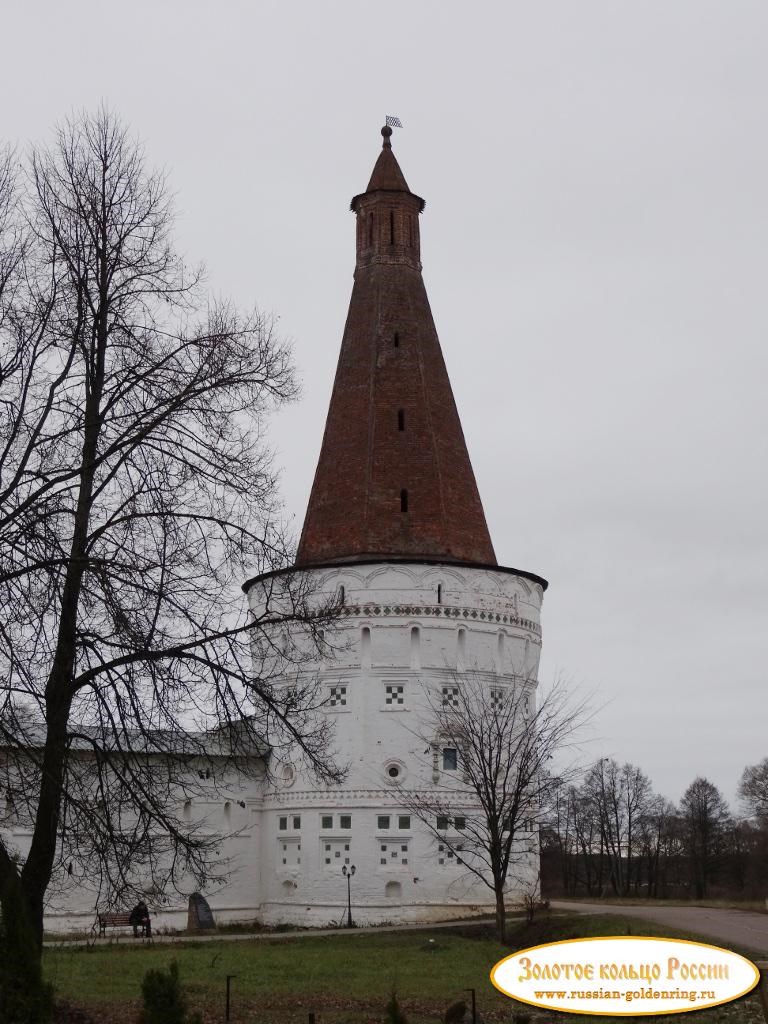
pixel 744 928
pixel 304 933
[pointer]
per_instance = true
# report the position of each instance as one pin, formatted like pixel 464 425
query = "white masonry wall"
pixel 224 805
pixel 406 627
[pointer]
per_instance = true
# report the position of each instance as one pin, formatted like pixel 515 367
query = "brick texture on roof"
pixel 394 478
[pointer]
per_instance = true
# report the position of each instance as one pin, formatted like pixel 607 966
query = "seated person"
pixel 139 918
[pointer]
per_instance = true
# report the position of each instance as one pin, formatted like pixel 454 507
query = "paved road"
pixel 728 927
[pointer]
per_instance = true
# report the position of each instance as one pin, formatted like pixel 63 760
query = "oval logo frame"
pixel 622 975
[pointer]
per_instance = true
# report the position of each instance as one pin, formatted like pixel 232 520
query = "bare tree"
pixel 136 491
pixel 492 747
pixel 705 821
pixel 753 790
pixel 621 795
pixel 561 833
pixel 659 837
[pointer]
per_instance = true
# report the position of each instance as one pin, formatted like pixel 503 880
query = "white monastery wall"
pixel 406 630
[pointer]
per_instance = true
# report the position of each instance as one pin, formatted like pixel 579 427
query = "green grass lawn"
pixel 343 979
pixel 641 901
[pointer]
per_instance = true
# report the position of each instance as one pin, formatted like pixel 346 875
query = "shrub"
pixel 393 1013
pixel 456 1013
pixel 164 1002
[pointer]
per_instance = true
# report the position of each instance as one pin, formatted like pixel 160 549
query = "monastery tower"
pixel 396 530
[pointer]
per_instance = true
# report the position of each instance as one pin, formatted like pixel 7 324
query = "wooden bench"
pixel 108 919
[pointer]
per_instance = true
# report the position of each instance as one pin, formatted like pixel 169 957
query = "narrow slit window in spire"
pixel 401 419
pixel 403 501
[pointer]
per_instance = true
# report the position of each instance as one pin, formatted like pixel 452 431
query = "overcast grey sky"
pixel 594 246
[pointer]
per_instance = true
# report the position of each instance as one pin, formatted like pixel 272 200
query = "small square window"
pixel 451 697
pixel 337 696
pixel 450 759
pixel 383 847
pixel 283 824
pixel 405 860
pixel 460 824
pixel 327 860
pixel 346 860
pixel 393 853
pixel 404 821
pixel 345 821
pixel 327 847
pixel 382 821
pixel 442 824
pixel 337 854
pixel 284 861
pixel 346 846
pixel 326 821
pixel 383 860
pixel 404 849
pixel 296 821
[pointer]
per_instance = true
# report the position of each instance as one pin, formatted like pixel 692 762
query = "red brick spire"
pixel 394 480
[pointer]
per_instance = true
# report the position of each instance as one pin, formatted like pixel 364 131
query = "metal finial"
pixel 390 122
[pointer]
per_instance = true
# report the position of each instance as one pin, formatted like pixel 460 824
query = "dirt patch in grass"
pixel 68 1013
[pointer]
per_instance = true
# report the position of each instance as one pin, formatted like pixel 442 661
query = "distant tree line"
pixel 612 835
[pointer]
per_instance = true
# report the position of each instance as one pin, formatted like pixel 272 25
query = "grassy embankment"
pixel 343 979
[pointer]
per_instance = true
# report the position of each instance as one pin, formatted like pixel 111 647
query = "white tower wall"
pixel 427 625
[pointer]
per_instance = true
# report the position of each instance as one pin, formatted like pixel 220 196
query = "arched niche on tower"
pixel 366 645
pixel 414 645
pixel 452 585
pixel 398 578
pixel 500 659
pixel 461 649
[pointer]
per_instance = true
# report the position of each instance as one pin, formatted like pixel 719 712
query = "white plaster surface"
pixel 483 621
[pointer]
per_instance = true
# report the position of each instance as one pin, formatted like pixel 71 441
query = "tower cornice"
pixel 353 562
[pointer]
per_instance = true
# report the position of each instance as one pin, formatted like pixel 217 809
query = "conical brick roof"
pixel 394 479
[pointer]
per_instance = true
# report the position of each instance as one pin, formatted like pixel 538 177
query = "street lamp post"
pixel 348 872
